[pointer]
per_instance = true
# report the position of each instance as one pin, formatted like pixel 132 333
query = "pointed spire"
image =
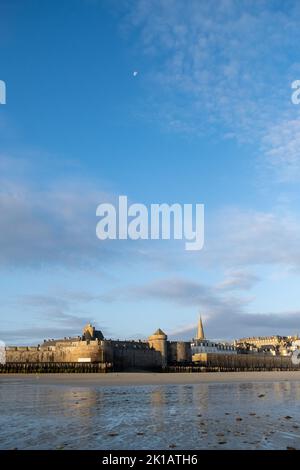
pixel 200 330
pixel 159 332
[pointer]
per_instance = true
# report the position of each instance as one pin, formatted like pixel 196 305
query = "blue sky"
pixel 207 119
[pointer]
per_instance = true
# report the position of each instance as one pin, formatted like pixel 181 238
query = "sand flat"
pixel 150 378
pixel 123 411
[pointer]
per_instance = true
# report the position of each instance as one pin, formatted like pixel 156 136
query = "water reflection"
pixel 236 415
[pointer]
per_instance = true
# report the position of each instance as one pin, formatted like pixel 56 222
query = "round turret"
pixel 158 341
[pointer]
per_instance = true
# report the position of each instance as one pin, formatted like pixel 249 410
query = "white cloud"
pixel 243 238
pixel 238 280
pixel 54 314
pixel 225 316
pixel 225 67
pixel 281 146
pixel 237 325
pixel 54 224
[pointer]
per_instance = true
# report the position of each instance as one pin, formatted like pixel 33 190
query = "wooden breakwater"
pixel 54 367
pixel 192 368
pixel 212 362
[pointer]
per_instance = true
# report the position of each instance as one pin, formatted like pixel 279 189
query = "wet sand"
pixel 149 378
pixel 242 410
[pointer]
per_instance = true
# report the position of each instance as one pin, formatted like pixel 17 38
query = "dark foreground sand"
pixel 148 378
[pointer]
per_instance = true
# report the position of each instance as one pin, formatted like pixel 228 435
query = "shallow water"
pixel 201 416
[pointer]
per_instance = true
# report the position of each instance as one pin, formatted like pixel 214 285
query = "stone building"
pixel 252 353
pixel 158 352
pixel 272 345
pixel 92 347
pixel 200 345
pixel 158 341
pixel 263 341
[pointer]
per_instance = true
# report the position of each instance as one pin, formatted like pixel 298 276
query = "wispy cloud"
pixel 224 67
pixel 54 224
pixel 234 326
pixel 281 146
pixel 238 280
pixel 47 225
pixel 55 314
pixel 186 292
pixel 225 316
pixel 244 238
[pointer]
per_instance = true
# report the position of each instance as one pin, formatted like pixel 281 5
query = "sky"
pixel 207 118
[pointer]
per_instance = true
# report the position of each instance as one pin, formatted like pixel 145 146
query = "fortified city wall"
pixel 244 361
pixel 71 351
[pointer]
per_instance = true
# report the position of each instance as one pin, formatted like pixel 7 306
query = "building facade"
pixel 92 347
pixel 157 353
pixel 200 345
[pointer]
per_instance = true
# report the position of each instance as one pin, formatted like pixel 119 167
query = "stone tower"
pixel 89 332
pixel 158 341
pixel 200 330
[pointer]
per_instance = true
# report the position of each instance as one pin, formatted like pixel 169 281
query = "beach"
pixel 151 378
pixel 123 411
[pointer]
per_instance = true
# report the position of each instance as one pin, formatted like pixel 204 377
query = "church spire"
pixel 200 330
